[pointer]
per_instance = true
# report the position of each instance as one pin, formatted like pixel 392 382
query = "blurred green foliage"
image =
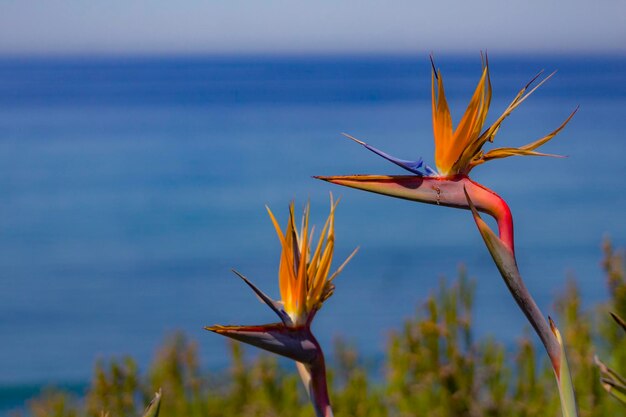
pixel 434 366
pixel 612 381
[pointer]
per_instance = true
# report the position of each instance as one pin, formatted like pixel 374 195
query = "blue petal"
pixel 411 166
pixel 429 171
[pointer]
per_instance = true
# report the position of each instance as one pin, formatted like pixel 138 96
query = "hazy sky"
pixel 276 26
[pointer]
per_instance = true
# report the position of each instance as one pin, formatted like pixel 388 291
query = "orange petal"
pixel 442 122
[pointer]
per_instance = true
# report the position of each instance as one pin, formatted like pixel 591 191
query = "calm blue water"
pixel 130 186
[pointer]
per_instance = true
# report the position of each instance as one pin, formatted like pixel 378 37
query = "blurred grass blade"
pixel 615 389
pixel 611 381
pixel 608 373
pixel 153 408
pixel 619 321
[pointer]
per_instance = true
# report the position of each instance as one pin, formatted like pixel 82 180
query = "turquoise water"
pixel 131 186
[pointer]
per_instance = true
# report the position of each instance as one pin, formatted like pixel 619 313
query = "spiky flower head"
pixel 304 272
pixel 459 150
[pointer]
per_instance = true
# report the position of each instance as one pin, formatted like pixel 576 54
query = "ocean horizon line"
pixel 297 55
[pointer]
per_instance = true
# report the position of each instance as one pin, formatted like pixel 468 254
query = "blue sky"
pixel 277 26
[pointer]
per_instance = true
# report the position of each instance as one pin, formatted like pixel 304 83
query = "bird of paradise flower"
pixel 305 284
pixel 457 152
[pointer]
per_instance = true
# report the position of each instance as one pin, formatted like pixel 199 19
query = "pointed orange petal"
pixel 442 122
pixel 313 265
pixel 285 269
pixel 343 265
pixel 469 123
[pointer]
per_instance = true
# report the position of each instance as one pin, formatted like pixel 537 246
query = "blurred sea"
pixel 130 186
